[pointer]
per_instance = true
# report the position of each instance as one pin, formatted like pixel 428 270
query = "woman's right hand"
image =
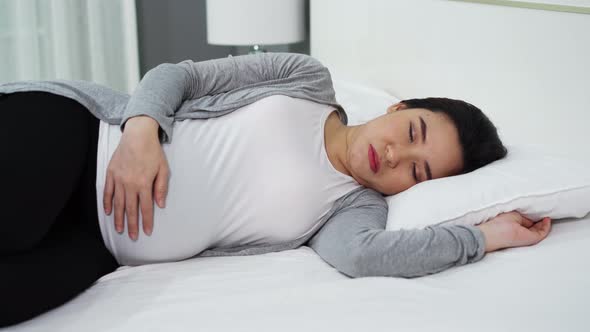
pixel 137 161
pixel 512 229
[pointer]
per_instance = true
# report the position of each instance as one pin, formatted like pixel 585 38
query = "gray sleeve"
pixel 164 88
pixel 355 242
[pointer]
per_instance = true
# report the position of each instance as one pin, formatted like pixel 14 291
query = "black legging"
pixel 51 248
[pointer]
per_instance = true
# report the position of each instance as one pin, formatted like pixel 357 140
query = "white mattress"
pixel 545 287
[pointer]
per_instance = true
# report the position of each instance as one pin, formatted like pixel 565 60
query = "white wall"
pixel 529 70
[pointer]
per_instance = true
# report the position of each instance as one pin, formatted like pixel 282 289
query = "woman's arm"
pixel 164 88
pixel 356 243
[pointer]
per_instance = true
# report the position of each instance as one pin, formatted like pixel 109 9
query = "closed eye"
pixel 411 134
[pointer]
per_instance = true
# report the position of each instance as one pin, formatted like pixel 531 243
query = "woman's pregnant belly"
pixel 187 225
pixel 181 230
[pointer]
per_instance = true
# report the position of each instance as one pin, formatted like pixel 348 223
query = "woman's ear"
pixel 396 107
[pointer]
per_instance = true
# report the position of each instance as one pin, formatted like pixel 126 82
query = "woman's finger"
pixel 147 210
pixel 161 187
pixel 107 197
pixel 131 211
pixel 526 222
pixel 542 228
pixel 536 233
pixel 119 207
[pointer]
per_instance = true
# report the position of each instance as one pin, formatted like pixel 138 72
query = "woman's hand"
pixel 512 229
pixel 138 159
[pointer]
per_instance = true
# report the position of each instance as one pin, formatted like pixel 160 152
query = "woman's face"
pixel 411 146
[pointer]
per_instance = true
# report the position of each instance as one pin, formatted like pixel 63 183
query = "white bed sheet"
pixel 545 287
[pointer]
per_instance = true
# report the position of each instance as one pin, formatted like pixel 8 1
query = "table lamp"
pixel 255 22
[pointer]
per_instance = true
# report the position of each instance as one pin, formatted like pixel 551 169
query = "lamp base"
pixel 255 49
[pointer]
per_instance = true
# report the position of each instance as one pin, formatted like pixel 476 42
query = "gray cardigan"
pixel 351 237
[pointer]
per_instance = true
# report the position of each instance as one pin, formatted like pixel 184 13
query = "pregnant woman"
pixel 237 156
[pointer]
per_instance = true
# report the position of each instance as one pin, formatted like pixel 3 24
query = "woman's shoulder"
pixel 363 197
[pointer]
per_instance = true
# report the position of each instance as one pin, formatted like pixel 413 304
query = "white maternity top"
pixel 259 174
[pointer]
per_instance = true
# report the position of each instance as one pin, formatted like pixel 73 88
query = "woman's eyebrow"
pixel 424 128
pixel 426 165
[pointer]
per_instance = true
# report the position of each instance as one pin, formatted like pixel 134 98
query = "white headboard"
pixel 527 69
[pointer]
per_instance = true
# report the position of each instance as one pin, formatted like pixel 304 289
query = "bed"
pixel 540 288
pixel 545 287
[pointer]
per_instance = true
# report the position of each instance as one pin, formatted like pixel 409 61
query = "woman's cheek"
pixel 397 183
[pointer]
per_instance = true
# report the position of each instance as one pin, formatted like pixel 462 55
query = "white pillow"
pixel 529 180
pixel 362 103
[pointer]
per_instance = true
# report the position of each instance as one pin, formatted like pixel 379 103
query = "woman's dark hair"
pixel 478 136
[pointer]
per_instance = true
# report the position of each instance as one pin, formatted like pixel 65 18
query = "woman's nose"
pixel 391 156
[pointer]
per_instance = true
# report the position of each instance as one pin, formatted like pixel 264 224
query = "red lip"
pixel 373 159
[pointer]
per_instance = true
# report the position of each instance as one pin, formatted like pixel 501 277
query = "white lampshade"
pixel 250 22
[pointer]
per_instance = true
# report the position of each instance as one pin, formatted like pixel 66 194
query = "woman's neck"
pixel 337 138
